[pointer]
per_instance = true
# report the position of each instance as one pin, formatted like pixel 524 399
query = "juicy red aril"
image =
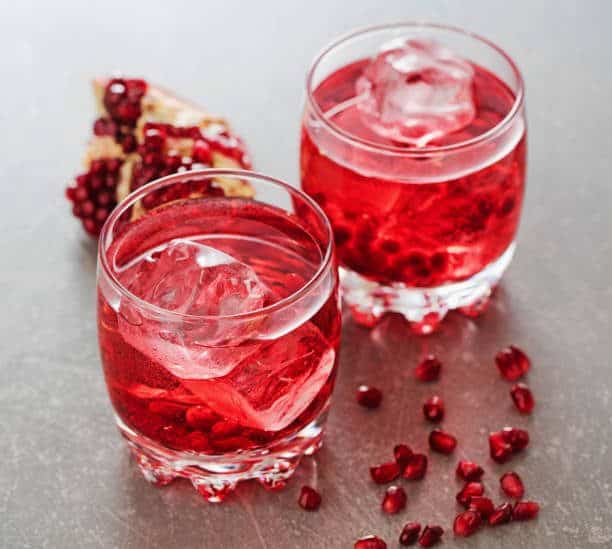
pixel 469 471
pixel 501 515
pixel 309 499
pixel 122 100
pixel 416 467
pixel 433 409
pixel 512 485
pixel 442 442
pixel 369 397
pixel 483 505
pixel 370 542
pixel 500 450
pixel 410 533
pixel 428 369
pixel 470 490
pixel 518 439
pixel 223 429
pixel 381 474
pixel 522 398
pixel 402 454
pixel 512 363
pixel 394 500
pixel 525 510
pixel 200 417
pixel 467 523
pixel 430 536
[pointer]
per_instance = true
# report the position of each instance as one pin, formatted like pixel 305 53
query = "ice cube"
pixel 193 279
pixel 415 91
pixel 273 386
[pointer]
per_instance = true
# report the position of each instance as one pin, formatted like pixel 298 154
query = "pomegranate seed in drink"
pixel 416 467
pixel 309 499
pixel 410 533
pixel 525 510
pixel 433 409
pixel 467 523
pixel 470 490
pixel 384 473
pixel 370 542
pixel 394 500
pixel 522 398
pixel 369 397
pixel 442 442
pixel 428 369
pixel 483 505
pixel 469 471
pixel 512 485
pixel 430 536
pixel 512 362
pixel 501 515
pixel 402 454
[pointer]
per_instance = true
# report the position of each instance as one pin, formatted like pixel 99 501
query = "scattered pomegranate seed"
pixel 499 449
pixel 501 515
pixel 410 533
pixel 433 409
pixel 370 542
pixel 402 454
pixel 512 485
pixel 467 523
pixel 369 397
pixel 428 369
pixel 430 536
pixel 309 499
pixel 469 471
pixel 525 510
pixel 394 500
pixel 513 363
pixel 416 467
pixel 384 473
pixel 441 441
pixel 470 490
pixel 483 505
pixel 517 438
pixel 522 398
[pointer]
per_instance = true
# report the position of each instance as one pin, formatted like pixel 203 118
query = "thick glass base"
pixel 423 308
pixel 216 476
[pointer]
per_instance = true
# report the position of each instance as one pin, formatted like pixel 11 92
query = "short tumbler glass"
pixel 219 323
pixel 422 225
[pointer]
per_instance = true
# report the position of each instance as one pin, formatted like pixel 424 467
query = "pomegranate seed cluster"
pixel 479 509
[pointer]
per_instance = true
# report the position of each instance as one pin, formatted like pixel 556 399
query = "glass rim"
pixel 106 237
pixel 422 151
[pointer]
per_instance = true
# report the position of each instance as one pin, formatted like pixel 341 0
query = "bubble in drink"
pixel 415 91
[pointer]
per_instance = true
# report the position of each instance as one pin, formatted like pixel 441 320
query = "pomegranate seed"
pixel 433 409
pixel 525 510
pixel 467 523
pixel 512 485
pixel 430 536
pixel 442 442
pixel 469 471
pixel 381 474
pixel 501 515
pixel 200 417
pixel 369 397
pixel 428 369
pixel 201 152
pixel 522 398
pixel 518 439
pixel 512 363
pixel 483 505
pixel 394 500
pixel 470 490
pixel 499 449
pixel 410 533
pixel 370 542
pixel 402 454
pixel 223 429
pixel 309 499
pixel 416 467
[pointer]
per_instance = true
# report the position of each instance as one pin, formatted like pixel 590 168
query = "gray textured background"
pixel 65 477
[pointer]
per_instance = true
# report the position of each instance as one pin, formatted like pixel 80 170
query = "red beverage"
pixel 221 344
pixel 415 159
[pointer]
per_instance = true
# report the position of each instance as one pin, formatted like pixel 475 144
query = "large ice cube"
pixel 415 91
